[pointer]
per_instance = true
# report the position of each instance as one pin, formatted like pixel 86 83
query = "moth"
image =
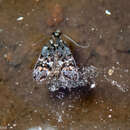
pixel 56 64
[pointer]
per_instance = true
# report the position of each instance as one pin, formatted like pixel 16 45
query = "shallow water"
pixel 25 105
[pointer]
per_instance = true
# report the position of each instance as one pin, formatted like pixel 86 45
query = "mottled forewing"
pixel 69 73
pixel 43 66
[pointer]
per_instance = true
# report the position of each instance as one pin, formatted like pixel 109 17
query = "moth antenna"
pixel 76 43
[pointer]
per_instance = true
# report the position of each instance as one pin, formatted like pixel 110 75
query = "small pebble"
pixel 5 56
pixel 8 57
pixel 110 72
pixel 110 110
pixel 17 83
pixel 109 116
pixel 67 19
pixel 11 127
pixel 35 110
pixel 107 12
pixel 14 125
pixel 20 18
pixel 93 29
pixel 117 63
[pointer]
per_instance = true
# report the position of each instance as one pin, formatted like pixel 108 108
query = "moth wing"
pixel 69 74
pixel 43 65
pixel 70 70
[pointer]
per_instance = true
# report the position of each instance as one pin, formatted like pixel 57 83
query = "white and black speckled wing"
pixel 56 63
pixel 43 65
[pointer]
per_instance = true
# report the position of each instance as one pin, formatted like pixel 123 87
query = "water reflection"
pixel 36 128
pixel 43 127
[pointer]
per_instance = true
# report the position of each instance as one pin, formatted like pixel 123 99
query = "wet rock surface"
pixel 104 26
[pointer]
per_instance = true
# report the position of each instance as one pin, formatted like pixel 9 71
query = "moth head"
pixel 57 33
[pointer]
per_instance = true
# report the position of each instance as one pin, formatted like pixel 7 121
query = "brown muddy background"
pixel 25 105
